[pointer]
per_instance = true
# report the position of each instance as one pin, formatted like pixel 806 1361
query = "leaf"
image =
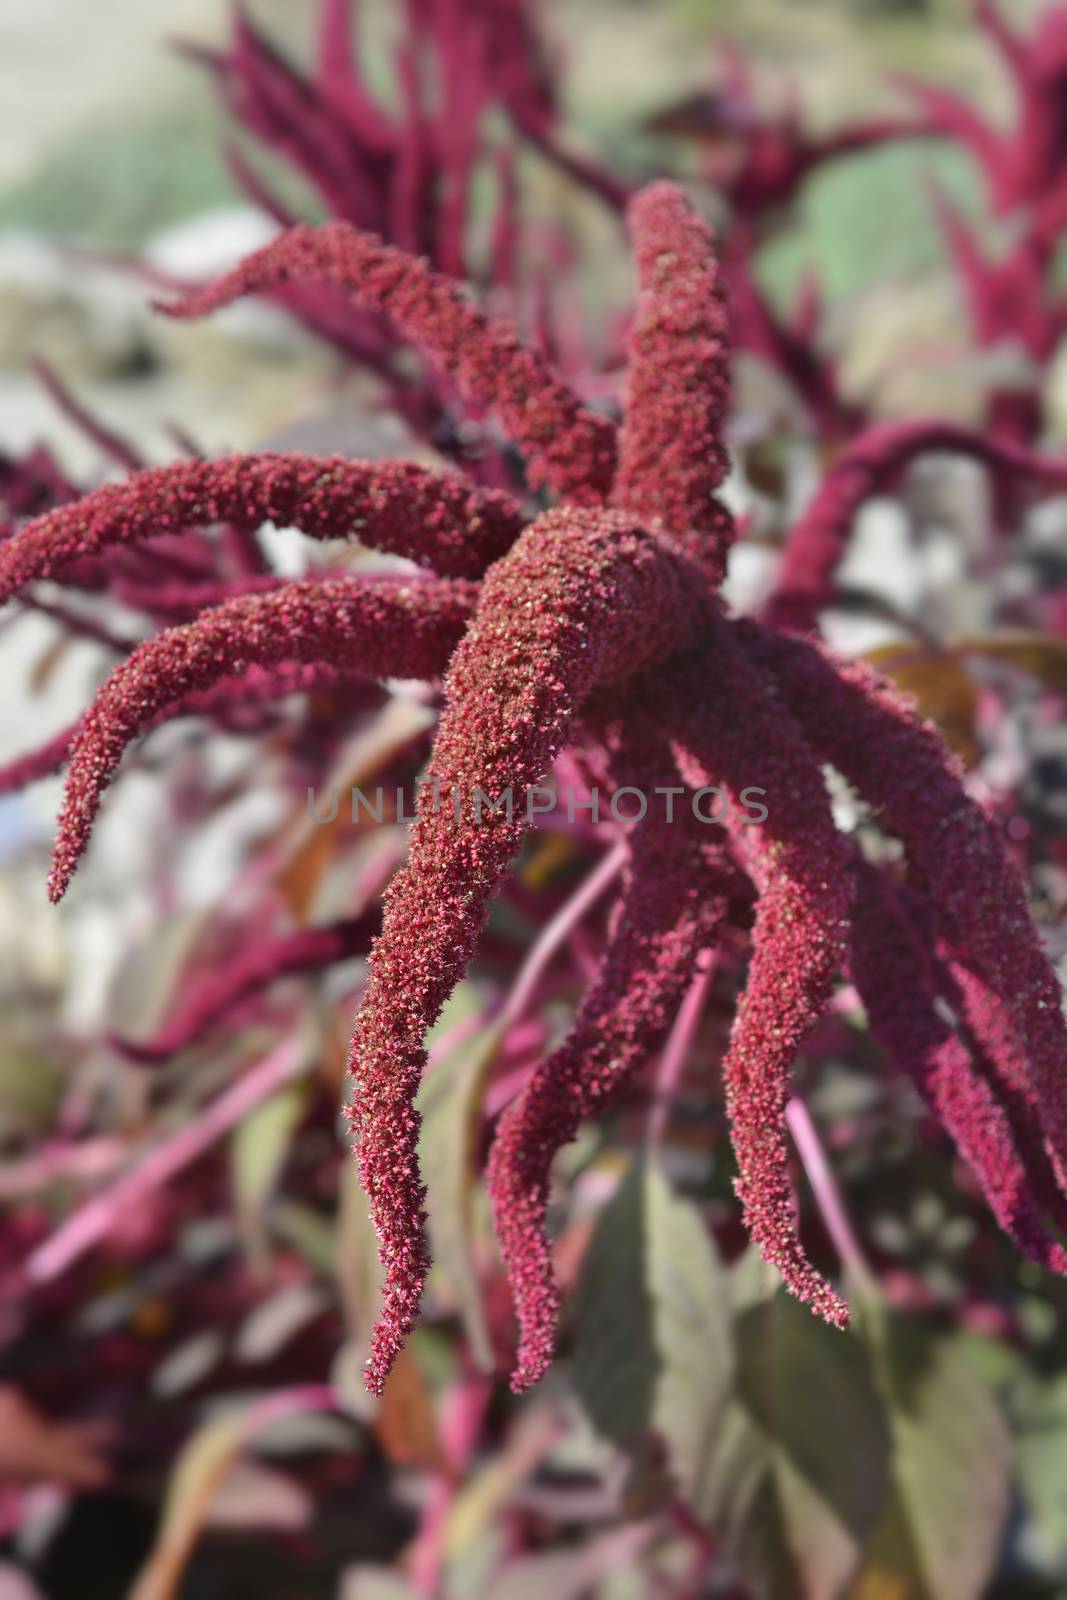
pixel 653 1351
pixel 1042 655
pixel 34 1449
pixel 1039 1416
pixel 550 853
pixel 32 1085
pixel 145 986
pixel 799 1475
pixel 406 1425
pixel 201 1467
pixel 941 687
pixel 14 1584
pixel 251 1495
pixel 450 1103
pixel 312 1235
pixel 313 843
pixel 944 689
pixel 258 1152
pixel 942 1529
pixel 488 1489
pixel 199 1472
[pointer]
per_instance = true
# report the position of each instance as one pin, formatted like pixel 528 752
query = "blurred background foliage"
pixel 183 1411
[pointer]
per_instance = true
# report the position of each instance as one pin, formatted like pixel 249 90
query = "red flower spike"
pixel 385 630
pixel 729 731
pixel 988 1031
pixel 567 448
pixel 582 600
pixel 899 986
pixel 899 764
pixel 433 518
pixel 672 904
pixel 672 454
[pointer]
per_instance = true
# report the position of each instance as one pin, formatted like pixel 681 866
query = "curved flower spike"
pixel 728 729
pixel 864 469
pixel 991 1035
pixel 253 969
pixel 435 518
pixel 379 630
pixel 257 686
pixel 567 448
pixel 585 598
pixel 673 901
pixel 672 455
pixel 899 984
pixel 899 764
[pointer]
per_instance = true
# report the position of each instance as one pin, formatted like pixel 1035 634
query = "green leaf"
pixel 259 1148
pixel 450 1102
pixel 942 1529
pixel 1039 1416
pixel 653 1352
pixel 799 1476
pixel 311 1234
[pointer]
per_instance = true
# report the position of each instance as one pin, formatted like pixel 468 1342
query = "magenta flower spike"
pixel 568 449
pixel 899 764
pixel 672 451
pixel 729 731
pixel 899 984
pixel 379 631
pixel 673 900
pixel 436 519
pixel 580 602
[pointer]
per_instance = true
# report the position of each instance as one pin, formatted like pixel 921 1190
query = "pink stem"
pixel 567 917
pixel 93 1221
pixel 828 1197
pixel 463 1411
pixel 60 1161
pixel 676 1051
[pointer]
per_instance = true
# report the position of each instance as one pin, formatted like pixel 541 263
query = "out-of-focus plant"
pixel 183 1232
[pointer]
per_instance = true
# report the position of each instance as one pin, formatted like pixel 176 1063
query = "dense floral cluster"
pixel 595 627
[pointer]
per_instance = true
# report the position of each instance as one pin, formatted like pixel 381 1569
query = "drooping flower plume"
pixel 596 628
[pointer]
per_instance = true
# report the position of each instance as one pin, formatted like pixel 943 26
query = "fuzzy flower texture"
pixel 595 626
